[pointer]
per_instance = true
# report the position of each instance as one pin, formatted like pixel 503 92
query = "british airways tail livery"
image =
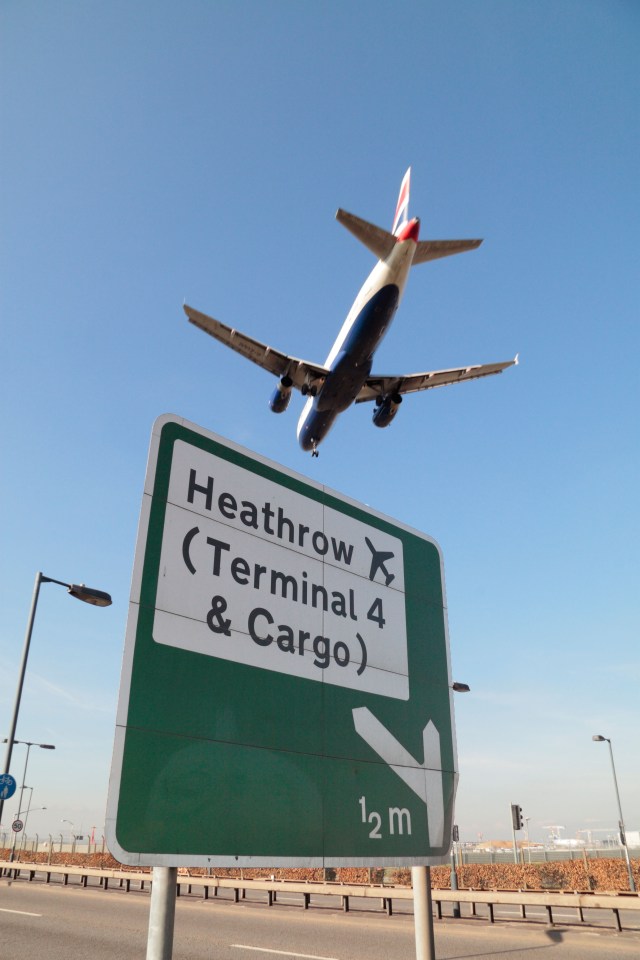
pixel 346 377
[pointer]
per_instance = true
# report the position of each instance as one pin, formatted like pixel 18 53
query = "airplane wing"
pixel 413 382
pixel 280 364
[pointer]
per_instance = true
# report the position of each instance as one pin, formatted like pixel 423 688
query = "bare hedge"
pixel 585 874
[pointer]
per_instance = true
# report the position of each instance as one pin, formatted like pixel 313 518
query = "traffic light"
pixel 516 816
pixel 456 833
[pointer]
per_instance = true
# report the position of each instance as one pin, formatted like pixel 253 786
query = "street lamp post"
pixel 623 834
pixel 26 812
pixel 457 688
pixel 73 834
pixel 78 590
pixel 421 883
pixel 28 744
pixel 454 878
pixel 29 810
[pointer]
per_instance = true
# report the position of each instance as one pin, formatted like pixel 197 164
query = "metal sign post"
pixel 162 912
pixel 423 913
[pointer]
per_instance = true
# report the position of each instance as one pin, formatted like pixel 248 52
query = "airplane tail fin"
pixel 381 242
pixel 402 207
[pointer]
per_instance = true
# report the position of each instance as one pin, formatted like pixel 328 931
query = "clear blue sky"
pixel 157 152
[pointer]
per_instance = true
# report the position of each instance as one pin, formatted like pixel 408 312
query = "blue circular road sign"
pixel 7 786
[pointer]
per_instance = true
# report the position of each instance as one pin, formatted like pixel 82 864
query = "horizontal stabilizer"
pixel 434 249
pixel 379 241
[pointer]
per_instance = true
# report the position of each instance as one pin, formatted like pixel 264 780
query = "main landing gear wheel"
pixel 314 450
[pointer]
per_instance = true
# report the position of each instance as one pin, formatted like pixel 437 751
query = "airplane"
pixel 345 377
pixel 378 562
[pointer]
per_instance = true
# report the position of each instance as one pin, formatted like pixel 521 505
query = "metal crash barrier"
pixel 550 900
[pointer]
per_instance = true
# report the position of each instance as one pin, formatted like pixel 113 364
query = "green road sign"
pixel 286 691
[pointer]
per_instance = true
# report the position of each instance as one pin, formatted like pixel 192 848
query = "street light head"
pixel 598 738
pixel 96 597
pixel 31 743
pixel 461 687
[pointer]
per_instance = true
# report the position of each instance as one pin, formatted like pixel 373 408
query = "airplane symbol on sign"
pixel 378 562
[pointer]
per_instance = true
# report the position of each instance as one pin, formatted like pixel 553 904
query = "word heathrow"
pixel 265 518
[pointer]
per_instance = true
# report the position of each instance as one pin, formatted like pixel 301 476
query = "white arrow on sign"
pixel 426 783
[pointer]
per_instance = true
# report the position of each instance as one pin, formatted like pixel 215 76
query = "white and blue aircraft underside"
pixel 346 377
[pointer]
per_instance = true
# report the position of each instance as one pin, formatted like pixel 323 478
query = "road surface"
pixel 71 923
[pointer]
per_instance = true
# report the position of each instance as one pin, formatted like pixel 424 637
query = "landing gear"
pixel 314 449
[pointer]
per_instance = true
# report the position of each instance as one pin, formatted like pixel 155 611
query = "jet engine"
pixel 281 395
pixel 386 409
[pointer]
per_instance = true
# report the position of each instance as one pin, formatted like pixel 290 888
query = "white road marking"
pixel 282 953
pixel 23 913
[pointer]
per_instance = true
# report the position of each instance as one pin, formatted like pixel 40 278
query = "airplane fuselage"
pixel 346 376
pixel 351 357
